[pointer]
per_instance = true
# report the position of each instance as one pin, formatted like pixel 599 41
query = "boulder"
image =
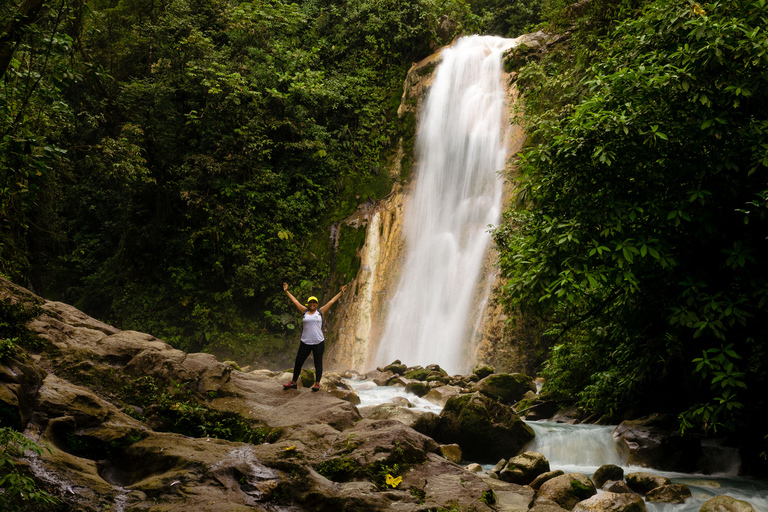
pixel 644 482
pixel 483 371
pixel 401 401
pixel 424 422
pixel 417 387
pixel 568 489
pixel 452 452
pixel 482 427
pixel 511 497
pixel 524 468
pixel 549 475
pixel 396 367
pixel 673 493
pixel 383 378
pixel 441 394
pixel 508 388
pixel 417 373
pixel 655 442
pixel 725 503
pixel 443 485
pixel 474 467
pixel 605 473
pixel 545 505
pixel 611 502
pixel 616 486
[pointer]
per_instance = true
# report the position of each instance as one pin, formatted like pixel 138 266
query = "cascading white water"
pixel 460 150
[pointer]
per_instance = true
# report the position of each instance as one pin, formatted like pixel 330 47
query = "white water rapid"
pixel 461 147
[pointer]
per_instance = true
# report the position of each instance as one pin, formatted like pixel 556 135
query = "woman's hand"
pixel 285 287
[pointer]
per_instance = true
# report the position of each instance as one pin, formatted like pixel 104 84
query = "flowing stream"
pixel 461 147
pixel 584 448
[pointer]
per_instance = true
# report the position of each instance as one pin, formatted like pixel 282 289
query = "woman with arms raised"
pixel 312 340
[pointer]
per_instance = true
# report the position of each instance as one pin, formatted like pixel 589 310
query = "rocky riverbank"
pixel 131 424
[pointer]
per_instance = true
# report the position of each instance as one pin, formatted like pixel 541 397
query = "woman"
pixel 312 340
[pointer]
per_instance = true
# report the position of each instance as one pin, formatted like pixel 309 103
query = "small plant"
pixel 19 492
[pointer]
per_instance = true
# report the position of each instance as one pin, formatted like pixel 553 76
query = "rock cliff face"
pixel 359 326
pixel 133 424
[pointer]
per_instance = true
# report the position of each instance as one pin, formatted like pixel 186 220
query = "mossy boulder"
pixel 568 489
pixel 417 387
pixel 417 373
pixel 524 468
pixel 396 368
pixel 483 371
pixel 508 388
pixel 482 427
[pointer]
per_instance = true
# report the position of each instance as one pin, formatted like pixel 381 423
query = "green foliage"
pixel 13 330
pixel 642 216
pixel 20 492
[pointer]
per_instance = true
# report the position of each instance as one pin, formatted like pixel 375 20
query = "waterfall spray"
pixel 460 150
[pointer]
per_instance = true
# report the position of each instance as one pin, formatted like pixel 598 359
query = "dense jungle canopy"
pixel 165 165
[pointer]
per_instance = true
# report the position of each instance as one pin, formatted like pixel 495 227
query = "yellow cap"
pixel 312 299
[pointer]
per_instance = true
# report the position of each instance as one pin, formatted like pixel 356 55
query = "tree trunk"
pixel 27 13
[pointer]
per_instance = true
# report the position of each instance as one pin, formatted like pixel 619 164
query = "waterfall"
pixel 461 147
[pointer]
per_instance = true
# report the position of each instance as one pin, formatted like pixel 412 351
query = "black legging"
pixel 303 354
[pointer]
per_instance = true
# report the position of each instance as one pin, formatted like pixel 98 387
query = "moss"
pixel 351 240
pixel 417 374
pixel 488 497
pixel 340 469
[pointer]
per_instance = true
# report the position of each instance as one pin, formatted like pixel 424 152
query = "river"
pixel 584 448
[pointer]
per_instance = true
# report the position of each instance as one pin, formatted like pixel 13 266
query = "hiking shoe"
pixel 290 385
pixel 316 387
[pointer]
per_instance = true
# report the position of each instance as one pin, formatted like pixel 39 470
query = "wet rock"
pixel 482 427
pixel 474 467
pixel 607 472
pixel 508 388
pixel 568 489
pixel 673 493
pixel 644 482
pixel 524 468
pixel 726 504
pixel 537 409
pixel 611 502
pixel 549 475
pixel 655 442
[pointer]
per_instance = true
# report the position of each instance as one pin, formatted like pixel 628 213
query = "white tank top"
pixel 312 328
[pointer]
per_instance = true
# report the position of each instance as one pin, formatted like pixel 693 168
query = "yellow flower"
pixel 394 482
pixel 698 10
